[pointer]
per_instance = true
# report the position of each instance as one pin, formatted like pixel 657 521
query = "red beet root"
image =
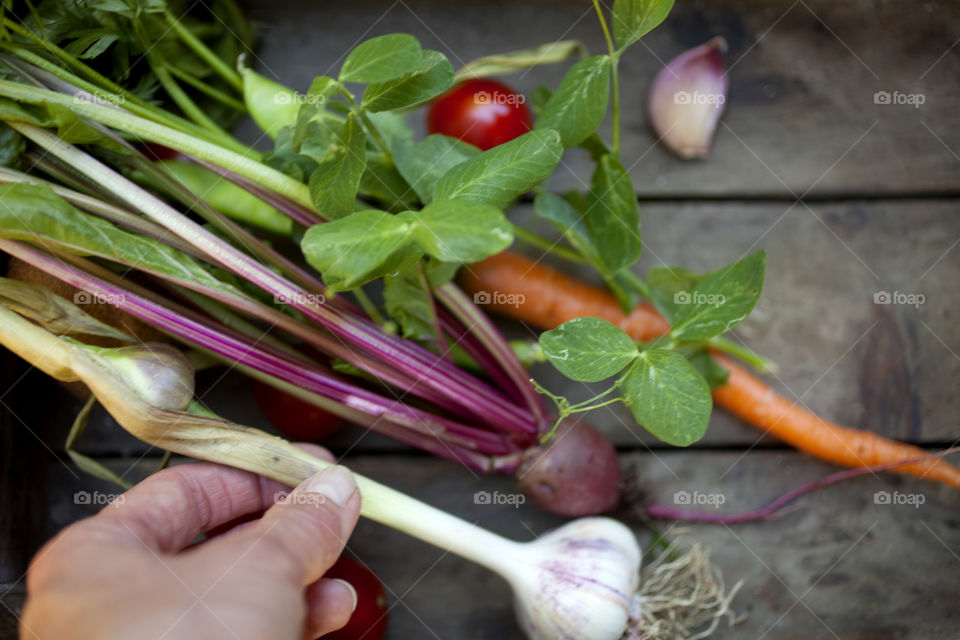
pixel 576 473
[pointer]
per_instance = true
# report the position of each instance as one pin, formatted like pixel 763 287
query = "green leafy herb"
pixel 423 163
pixel 359 248
pixel 462 231
pixel 334 184
pixel 568 221
pixel 433 77
pixel 588 349
pixel 382 59
pixel 612 215
pixel 668 397
pixel 666 283
pixel 721 300
pixel 409 302
pixel 633 19
pixel 713 373
pixel 579 104
pixel 502 173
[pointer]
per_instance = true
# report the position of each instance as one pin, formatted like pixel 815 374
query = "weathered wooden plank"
pixel 842 566
pixel 801 115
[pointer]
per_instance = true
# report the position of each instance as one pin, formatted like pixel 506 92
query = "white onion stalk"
pixel 574 582
pixel 687 98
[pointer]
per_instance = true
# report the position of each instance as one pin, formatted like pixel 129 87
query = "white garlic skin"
pixel 687 98
pixel 577 582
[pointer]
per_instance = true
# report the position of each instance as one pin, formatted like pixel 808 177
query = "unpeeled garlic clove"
pixel 687 98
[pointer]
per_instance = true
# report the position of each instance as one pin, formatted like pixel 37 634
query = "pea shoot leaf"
pixel 335 182
pixel 500 174
pixel 667 396
pixel 669 288
pixel 359 248
pixel 433 77
pixel 588 349
pixel 612 215
pixel 712 372
pixel 382 181
pixel 461 231
pixel 381 59
pixel 579 104
pixel 408 302
pixel 633 19
pixel 568 221
pixel 721 300
pixel 423 163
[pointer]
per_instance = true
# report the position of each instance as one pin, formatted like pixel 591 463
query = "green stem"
pixel 371 128
pixel 542 243
pixel 439 343
pixel 637 283
pixel 580 409
pixel 579 406
pixel 129 101
pixel 206 89
pixel 614 79
pixel 748 355
pixel 180 97
pixel 115 94
pixel 196 45
pixel 73 62
pixel 150 131
pixel 85 462
pixel 368 307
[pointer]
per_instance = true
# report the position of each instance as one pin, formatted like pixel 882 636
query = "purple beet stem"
pixel 449 436
pixel 666 512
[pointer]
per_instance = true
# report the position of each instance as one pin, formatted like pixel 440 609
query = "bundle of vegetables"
pixel 366 202
pixel 196 247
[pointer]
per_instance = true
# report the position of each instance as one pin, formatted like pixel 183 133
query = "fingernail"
pixel 336 483
pixel 353 593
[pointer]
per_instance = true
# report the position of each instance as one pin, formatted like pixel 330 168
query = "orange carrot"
pixel 550 298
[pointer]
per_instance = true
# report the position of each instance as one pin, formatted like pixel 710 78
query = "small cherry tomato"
pixel 293 417
pixel 482 112
pixel 369 619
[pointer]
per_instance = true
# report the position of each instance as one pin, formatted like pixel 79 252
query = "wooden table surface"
pixel 849 198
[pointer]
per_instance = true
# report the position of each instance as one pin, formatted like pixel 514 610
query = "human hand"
pixel 128 571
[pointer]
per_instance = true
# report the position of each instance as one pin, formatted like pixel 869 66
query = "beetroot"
pixel 575 473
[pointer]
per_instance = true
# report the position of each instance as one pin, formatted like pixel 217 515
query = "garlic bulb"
pixel 687 97
pixel 576 581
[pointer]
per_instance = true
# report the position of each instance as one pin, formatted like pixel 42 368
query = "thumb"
pixel 301 536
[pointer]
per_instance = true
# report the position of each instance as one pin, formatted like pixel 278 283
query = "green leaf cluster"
pixel 666 384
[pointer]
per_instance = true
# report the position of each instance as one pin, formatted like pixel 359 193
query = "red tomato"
pixel 369 619
pixel 482 112
pixel 294 418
